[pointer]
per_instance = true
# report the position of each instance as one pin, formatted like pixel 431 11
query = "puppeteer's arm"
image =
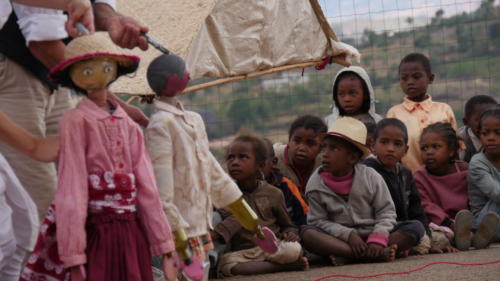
pixel 41 149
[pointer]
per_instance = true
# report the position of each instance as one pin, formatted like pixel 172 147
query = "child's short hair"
pixel 365 107
pixel 386 122
pixel 447 132
pixel 308 122
pixel 471 104
pixel 420 58
pixel 494 112
pixel 269 147
pixel 258 145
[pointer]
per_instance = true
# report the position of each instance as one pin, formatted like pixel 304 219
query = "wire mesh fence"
pixel 461 38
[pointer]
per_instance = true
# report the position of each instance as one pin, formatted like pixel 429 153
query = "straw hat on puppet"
pixel 351 130
pixel 96 45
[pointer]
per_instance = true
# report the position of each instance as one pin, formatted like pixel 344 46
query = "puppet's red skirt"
pixel 117 250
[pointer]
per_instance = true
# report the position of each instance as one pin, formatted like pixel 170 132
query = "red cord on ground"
pixel 405 272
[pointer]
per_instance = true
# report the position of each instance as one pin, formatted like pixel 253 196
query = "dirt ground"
pixel 439 272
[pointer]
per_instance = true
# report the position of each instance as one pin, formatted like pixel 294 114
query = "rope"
pixel 405 272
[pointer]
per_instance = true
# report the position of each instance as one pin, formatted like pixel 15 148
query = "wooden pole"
pixel 339 60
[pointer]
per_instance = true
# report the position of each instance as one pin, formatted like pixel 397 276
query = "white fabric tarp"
pixel 224 38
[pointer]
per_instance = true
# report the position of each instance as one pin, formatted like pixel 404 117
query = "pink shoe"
pixel 193 268
pixel 269 244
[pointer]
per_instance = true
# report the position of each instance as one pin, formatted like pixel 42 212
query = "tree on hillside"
pixel 438 17
pixel 409 20
pixel 486 10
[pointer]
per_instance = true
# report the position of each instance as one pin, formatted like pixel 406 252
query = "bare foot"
pixel 302 263
pixel 449 249
pixel 390 253
pixel 337 261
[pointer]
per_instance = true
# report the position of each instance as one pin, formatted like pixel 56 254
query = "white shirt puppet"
pixel 188 176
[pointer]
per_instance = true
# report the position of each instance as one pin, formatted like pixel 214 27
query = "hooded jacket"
pixel 330 119
pixel 369 209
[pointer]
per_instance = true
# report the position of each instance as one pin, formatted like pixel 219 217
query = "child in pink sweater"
pixel 442 181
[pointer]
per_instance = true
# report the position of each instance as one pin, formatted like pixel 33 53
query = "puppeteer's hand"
pixel 46 149
pixel 126 32
pixel 78 273
pixel 170 266
pixel 80 11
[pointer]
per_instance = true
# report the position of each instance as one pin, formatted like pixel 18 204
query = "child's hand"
pixel 170 266
pixel 78 273
pixel 357 244
pixel 374 250
pixel 435 250
pixel 291 237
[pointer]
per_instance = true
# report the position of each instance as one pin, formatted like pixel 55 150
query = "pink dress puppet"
pixel 107 209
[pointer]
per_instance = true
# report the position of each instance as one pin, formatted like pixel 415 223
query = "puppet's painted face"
pixel 93 74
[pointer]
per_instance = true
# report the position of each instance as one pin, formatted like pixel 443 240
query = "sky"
pixel 350 17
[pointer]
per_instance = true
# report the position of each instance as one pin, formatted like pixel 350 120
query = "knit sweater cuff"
pixel 378 238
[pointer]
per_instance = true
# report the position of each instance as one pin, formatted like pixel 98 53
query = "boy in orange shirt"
pixel 418 110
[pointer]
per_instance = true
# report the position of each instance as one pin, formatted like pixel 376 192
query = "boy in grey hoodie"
pixel 351 213
pixel 353 96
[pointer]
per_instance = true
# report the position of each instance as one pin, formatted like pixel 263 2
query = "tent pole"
pixel 339 60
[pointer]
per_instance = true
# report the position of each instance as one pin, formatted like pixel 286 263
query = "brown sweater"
pixel 269 204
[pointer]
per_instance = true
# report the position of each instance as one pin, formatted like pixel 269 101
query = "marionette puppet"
pixel 107 220
pixel 189 178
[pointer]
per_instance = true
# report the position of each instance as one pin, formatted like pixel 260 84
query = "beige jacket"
pixel 188 176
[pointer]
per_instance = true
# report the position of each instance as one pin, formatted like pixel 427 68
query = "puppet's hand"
pixel 78 273
pixel 170 266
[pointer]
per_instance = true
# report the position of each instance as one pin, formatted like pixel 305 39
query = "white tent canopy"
pixel 233 39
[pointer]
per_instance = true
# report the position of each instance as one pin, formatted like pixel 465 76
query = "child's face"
pixel 473 120
pixel 337 156
pixel 93 74
pixel 414 80
pixel 241 161
pixel 303 147
pixel 350 95
pixel 390 146
pixel 435 152
pixel 490 135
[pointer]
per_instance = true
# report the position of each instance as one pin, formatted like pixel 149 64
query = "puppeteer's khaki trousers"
pixel 28 102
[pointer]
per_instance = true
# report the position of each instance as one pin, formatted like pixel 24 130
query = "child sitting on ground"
pixel 351 212
pixel 390 145
pixel 246 157
pixel 298 159
pixel 474 107
pixel 418 110
pixel 296 206
pixel 353 96
pixel 442 181
pixel 484 181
